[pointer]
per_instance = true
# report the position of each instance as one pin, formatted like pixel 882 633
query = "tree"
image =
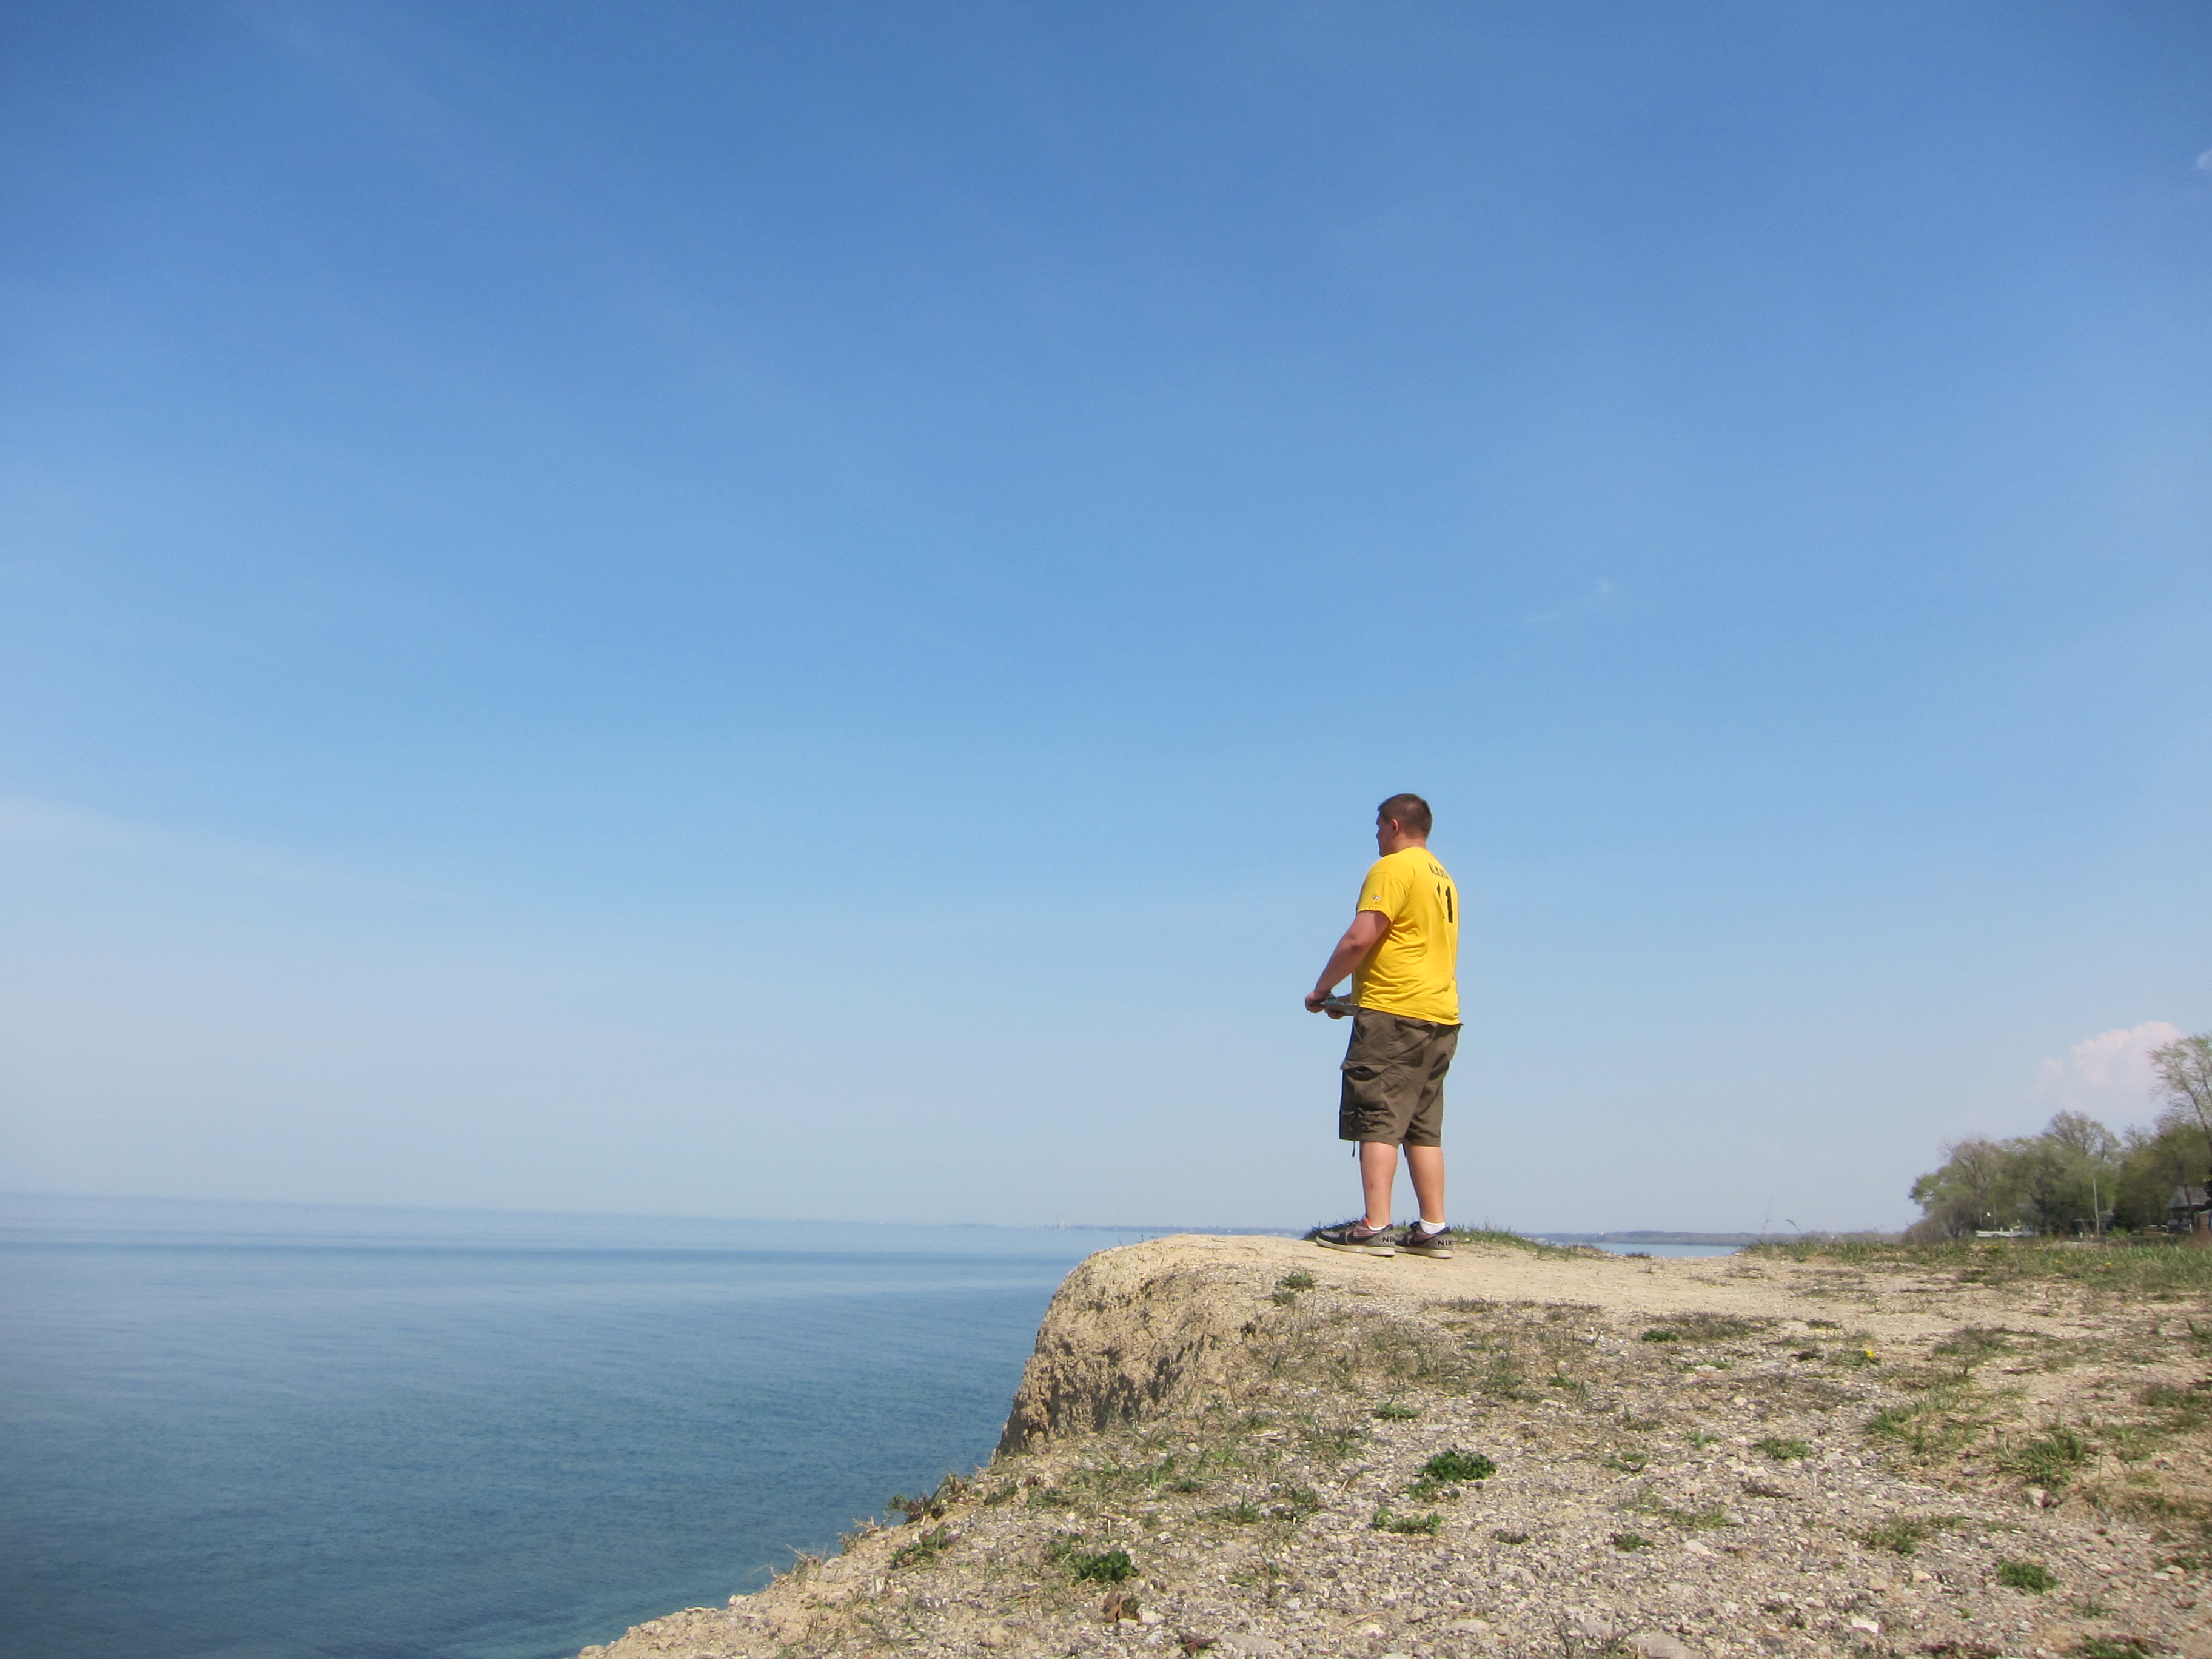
pixel 2152 1163
pixel 2084 1157
pixel 1975 1186
pixel 2183 1070
pixel 2064 1180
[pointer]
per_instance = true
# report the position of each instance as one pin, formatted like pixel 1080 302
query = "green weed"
pixel 1457 1465
pixel 923 1550
pixel 1939 1421
pixel 1407 1525
pixel 1090 1567
pixel 1970 1347
pixel 1906 1534
pixel 1391 1411
pixel 2050 1459
pixel 2147 1270
pixel 2029 1576
pixel 1631 1540
pixel 1784 1451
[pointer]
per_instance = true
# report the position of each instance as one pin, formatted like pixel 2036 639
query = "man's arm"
pixel 1364 935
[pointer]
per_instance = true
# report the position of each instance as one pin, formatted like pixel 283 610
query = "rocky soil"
pixel 1254 1447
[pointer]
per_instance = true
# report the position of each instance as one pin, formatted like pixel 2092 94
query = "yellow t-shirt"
pixel 1414 970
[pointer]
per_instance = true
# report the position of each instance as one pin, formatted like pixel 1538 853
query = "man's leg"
pixel 1378 1174
pixel 1427 1166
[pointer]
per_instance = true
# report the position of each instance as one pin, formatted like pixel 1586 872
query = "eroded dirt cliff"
pixel 1254 1447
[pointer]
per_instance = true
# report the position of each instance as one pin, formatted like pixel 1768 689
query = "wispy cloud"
pixel 42 824
pixel 1596 599
pixel 54 827
pixel 2108 1073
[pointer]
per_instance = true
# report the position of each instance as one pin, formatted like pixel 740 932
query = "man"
pixel 1402 952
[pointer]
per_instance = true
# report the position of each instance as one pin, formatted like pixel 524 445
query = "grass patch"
pixel 1631 1540
pixel 1457 1465
pixel 1783 1451
pixel 1330 1444
pixel 1288 1287
pixel 1507 1535
pixel 1502 1378
pixel 1626 1460
pixel 1409 1526
pixel 2033 1577
pixel 1939 1422
pixel 1513 1241
pixel 2050 1459
pixel 1716 1328
pixel 1391 1411
pixel 1294 1503
pixel 1906 1534
pixel 2113 1647
pixel 1088 1566
pixel 1971 1346
pixel 923 1550
pixel 1661 1335
pixel 2152 1270
pixel 1647 1501
pixel 929 1506
pixel 2181 1409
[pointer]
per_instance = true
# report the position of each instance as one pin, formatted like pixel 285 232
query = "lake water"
pixel 264 1432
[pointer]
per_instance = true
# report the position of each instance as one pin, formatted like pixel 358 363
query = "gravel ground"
pixel 1222 1445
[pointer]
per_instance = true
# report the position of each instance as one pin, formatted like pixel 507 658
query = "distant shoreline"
pixel 1650 1238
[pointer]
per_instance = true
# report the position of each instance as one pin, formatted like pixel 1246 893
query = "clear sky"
pixel 801 611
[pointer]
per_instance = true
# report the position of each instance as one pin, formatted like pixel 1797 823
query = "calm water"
pixel 258 1431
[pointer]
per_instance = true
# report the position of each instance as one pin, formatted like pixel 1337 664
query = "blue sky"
pixel 801 611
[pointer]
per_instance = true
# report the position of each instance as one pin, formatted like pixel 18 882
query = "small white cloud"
pixel 2204 162
pixel 2109 1073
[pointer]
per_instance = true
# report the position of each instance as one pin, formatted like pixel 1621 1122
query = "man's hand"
pixel 1366 932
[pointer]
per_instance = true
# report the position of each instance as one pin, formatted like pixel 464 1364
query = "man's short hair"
pixel 1411 811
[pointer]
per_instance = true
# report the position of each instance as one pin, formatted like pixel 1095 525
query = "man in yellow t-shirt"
pixel 1402 952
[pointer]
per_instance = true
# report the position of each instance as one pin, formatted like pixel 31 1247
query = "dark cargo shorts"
pixel 1393 1080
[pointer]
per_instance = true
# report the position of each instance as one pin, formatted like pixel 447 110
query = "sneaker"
pixel 1353 1234
pixel 1418 1241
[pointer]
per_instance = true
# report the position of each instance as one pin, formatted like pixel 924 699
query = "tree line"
pixel 2077 1175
